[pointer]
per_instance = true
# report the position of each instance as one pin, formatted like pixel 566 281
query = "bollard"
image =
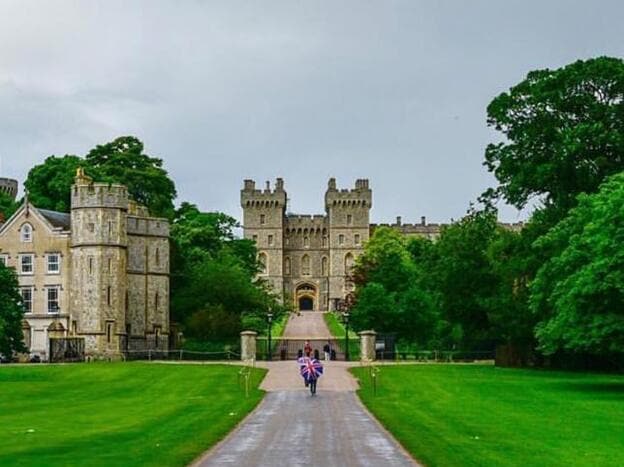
pixel 367 346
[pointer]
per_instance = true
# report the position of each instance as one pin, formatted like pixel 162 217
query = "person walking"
pixel 307 349
pixel 311 372
pixel 327 351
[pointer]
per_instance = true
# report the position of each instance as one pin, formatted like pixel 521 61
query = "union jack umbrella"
pixel 311 369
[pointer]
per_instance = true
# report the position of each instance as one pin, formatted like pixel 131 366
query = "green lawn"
pixel 462 415
pixel 118 413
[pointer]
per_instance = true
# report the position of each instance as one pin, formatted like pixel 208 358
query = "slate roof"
pixel 57 219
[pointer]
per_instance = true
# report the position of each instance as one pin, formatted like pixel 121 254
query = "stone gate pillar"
pixel 367 346
pixel 248 345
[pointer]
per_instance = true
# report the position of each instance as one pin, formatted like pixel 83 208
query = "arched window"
pixel 263 264
pixel 324 240
pixel 287 266
pixel 324 264
pixel 26 233
pixel 306 241
pixel 305 265
pixel 348 263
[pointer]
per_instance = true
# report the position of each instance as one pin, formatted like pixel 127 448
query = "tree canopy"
pixel 580 289
pixel 11 313
pixel 120 161
pixel 564 132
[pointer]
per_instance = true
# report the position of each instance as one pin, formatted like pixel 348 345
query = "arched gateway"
pixel 306 297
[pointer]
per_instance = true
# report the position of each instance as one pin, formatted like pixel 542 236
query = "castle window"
pixel 254 238
pixel 27 299
pixel 324 264
pixel 306 242
pixel 127 301
pixel 110 228
pixel 356 238
pixel 91 227
pixel 270 240
pixel 305 265
pixel 156 301
pixel 324 240
pixel 110 265
pixel 90 265
pixel 349 219
pixel 108 295
pixel 109 331
pixel 27 264
pixel 341 239
pixel 157 257
pixel 262 219
pixel 53 299
pixel 262 263
pixel 74 328
pixel 348 263
pixel 54 263
pixel 287 266
pixel 26 233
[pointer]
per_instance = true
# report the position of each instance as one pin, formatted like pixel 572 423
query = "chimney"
pixel 423 220
pixel 268 186
pixel 250 185
pixel 279 184
pixel 398 220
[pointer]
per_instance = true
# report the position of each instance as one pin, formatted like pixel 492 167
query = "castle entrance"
pixel 305 297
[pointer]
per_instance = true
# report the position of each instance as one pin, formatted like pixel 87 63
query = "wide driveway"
pixel 292 428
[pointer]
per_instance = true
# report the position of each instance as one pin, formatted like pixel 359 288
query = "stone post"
pixel 248 345
pixel 367 346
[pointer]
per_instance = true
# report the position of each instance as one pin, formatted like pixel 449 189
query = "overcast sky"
pixel 393 91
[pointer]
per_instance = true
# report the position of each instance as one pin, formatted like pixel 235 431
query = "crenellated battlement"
pixel 87 194
pixel 360 196
pixel 267 198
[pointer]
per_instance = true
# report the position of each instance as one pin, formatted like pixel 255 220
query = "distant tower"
pixel 348 212
pixel 99 243
pixel 8 186
pixel 263 222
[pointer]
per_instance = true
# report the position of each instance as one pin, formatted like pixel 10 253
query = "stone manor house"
pixel 100 272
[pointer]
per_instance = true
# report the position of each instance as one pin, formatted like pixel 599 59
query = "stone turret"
pixel 99 243
pixel 348 212
pixel 263 221
pixel 8 186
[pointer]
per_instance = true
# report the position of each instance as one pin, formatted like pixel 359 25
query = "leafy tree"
pixel 579 291
pixel 564 132
pixel 49 184
pixel 463 278
pixel 11 313
pixel 123 161
pixel 120 161
pixel 391 296
pixel 213 278
pixel 7 206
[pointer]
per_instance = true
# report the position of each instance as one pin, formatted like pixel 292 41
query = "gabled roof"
pixel 57 219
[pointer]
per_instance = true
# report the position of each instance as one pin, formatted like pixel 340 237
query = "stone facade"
pixel 101 272
pixel 307 258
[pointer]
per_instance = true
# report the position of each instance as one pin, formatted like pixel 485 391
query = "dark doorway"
pixel 306 304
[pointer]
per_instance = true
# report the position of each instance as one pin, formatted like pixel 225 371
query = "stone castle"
pixel 307 259
pixel 100 273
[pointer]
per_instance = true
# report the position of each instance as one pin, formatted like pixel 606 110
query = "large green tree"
pixel 48 184
pixel 11 313
pixel 120 161
pixel 564 132
pixel 124 161
pixel 579 291
pixel 213 285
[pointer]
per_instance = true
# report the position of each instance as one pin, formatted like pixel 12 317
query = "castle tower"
pixel 98 286
pixel 348 212
pixel 263 222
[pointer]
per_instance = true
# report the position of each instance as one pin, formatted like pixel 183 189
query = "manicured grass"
pixel 336 328
pixel 118 413
pixel 462 415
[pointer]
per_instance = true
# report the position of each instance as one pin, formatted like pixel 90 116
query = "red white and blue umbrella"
pixel 311 368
